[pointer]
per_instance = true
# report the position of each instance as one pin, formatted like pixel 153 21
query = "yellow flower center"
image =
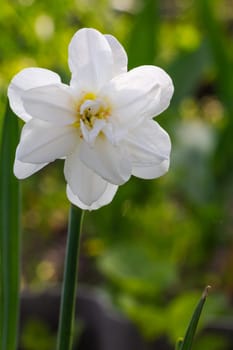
pixel 91 108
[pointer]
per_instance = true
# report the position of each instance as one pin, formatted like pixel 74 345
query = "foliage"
pixel 36 330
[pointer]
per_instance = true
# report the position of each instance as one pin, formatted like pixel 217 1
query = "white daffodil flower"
pixel 101 123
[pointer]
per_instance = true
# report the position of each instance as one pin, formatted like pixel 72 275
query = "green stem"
pixel 67 310
pixel 9 236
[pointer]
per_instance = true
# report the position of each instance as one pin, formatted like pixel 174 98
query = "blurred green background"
pixel 155 247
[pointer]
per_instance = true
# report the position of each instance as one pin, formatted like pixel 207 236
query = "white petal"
pixel 43 142
pixel 24 170
pixel 152 172
pixel 143 92
pixel 104 199
pixel 114 132
pixel 149 147
pixel 90 60
pixel 84 183
pixel 27 79
pixel 52 103
pixel 120 58
pixel 109 161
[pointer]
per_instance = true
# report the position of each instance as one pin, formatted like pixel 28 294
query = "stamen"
pixel 92 109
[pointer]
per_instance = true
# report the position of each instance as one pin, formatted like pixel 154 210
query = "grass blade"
pixel 9 235
pixel 190 333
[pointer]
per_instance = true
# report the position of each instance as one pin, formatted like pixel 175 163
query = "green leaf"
pixel 219 45
pixel 9 235
pixel 190 333
pixel 192 65
pixel 142 44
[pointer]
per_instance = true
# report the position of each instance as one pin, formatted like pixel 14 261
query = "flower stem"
pixel 67 308
pixel 10 235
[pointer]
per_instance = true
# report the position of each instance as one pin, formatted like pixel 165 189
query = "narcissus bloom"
pixel 101 123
